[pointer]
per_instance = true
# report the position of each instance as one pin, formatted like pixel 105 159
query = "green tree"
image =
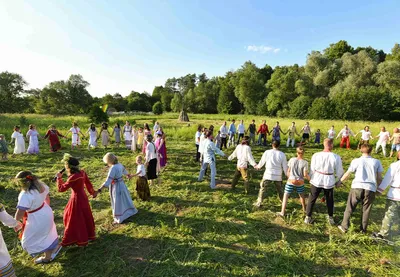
pixel 395 55
pixel 228 103
pixel 388 77
pixel 157 108
pixel 377 55
pixel 338 49
pixel 11 88
pixel 321 108
pixel 139 102
pixel 97 115
pixel 299 107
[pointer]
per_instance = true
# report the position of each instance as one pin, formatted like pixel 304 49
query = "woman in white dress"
pixel 121 201
pixel 6 267
pixel 92 136
pixel 134 138
pixel 128 134
pixel 19 139
pixel 33 137
pixel 39 233
pixel 76 141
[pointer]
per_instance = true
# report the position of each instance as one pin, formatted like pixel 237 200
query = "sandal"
pixel 42 260
pixel 55 253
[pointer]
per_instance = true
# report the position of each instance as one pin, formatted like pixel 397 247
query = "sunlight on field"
pixel 189 230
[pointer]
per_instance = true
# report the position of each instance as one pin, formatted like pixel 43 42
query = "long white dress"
pixel 121 201
pixel 134 139
pixel 75 136
pixel 19 142
pixel 128 136
pixel 6 267
pixel 40 232
pixel 33 147
pixel 92 137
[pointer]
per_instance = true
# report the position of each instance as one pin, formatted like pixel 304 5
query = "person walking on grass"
pixel 244 157
pixel 252 132
pixel 275 164
pixel 366 136
pixel 276 132
pixel 392 214
pixel 368 176
pixel 75 131
pixel 117 132
pixel 92 132
pixel 33 137
pixel 3 148
pixel 224 134
pixel 151 160
pixel 384 137
pixel 291 135
pixel 297 171
pixel 232 133
pixel 105 135
pixel 306 130
pixel 345 133
pixel 263 132
pixel 197 142
pixel 18 137
pixel 325 166
pixel 395 144
pixel 240 130
pixel 209 159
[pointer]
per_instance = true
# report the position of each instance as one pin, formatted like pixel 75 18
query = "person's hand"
pixel 338 184
pixel 129 176
pixel 146 164
pixel 59 175
pixel 18 227
pixel 95 194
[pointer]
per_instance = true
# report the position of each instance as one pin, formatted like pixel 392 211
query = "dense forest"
pixel 340 82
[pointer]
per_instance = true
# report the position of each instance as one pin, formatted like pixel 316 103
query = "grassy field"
pixel 187 229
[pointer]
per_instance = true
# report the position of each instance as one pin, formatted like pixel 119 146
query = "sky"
pixel 119 46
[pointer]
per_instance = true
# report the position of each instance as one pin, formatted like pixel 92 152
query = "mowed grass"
pixel 187 229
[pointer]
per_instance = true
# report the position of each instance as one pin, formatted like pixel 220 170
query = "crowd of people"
pixel 34 216
pixel 324 173
pixel 34 219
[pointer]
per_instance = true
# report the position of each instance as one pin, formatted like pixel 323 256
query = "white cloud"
pixel 262 49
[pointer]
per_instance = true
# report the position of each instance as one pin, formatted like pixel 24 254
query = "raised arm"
pixel 63 186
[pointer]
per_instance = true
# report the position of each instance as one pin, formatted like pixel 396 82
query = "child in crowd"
pixel 142 186
pixel 117 132
pixel 317 140
pixel 18 137
pixel 33 137
pixel 3 147
pixel 105 135
pixel 75 131
pixel 396 141
pixel 297 172
pixel 92 136
pixel 218 140
pixel 140 138
pixel 134 138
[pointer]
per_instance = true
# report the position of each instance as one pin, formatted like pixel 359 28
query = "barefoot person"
pixel 275 164
pixel 325 165
pixel 209 151
pixel 6 267
pixel 39 233
pixel 121 201
pixel 78 218
pixel 297 172
pixel 384 137
pixel 368 176
pixel 392 214
pixel 244 157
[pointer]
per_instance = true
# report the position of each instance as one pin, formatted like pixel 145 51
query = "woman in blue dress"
pixel 121 201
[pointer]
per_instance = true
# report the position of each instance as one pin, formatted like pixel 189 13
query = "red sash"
pixel 25 218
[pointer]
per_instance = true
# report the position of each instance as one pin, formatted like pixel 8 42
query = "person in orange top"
pixel 263 132
pixel 78 218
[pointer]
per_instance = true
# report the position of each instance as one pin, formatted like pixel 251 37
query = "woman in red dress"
pixel 53 135
pixel 78 218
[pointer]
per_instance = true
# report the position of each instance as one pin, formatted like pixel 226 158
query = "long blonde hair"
pixel 27 181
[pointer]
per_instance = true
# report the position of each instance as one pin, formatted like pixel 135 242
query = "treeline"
pixel 340 82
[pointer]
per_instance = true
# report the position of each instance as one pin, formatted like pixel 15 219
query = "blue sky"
pixel 120 46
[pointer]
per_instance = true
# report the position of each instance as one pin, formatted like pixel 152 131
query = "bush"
pixel 157 108
pixel 96 115
pixel 321 108
pixel 299 107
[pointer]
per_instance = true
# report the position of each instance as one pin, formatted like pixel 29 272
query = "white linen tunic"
pixel 392 179
pixel 275 162
pixel 7 220
pixel 324 167
pixel 243 155
pixel 19 142
pixel 365 169
pixel 75 136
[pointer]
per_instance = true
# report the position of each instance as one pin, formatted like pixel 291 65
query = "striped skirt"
pixel 7 270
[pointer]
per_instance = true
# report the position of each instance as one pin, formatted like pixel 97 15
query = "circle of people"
pixel 324 173
pixel 34 218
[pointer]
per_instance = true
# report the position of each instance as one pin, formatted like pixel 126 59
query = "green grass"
pixel 189 230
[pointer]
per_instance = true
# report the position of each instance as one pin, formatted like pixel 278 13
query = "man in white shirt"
pixel 224 134
pixel 244 157
pixel 345 133
pixel 366 135
pixel 325 165
pixel 392 214
pixel 331 133
pixel 197 142
pixel 240 130
pixel 209 158
pixel 232 133
pixel 384 137
pixel 368 175
pixel 275 164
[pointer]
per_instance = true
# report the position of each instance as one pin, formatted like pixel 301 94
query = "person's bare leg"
pixel 284 203
pixel 302 201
